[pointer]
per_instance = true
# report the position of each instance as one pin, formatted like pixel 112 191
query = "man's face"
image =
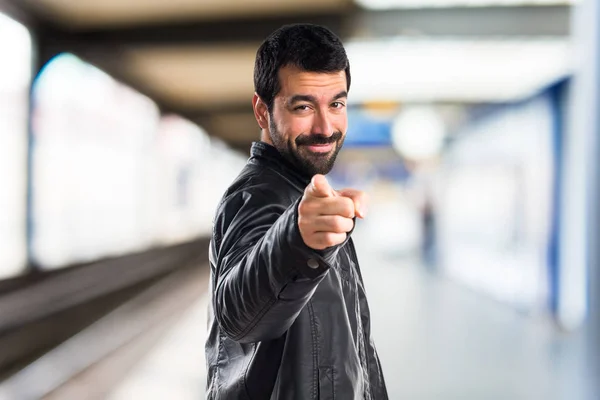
pixel 308 122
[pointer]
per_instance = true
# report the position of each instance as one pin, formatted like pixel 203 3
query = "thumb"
pixel 319 187
pixel 359 198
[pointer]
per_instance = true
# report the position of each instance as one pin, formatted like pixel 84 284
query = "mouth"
pixel 320 148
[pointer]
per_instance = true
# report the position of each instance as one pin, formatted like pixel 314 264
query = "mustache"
pixel 309 140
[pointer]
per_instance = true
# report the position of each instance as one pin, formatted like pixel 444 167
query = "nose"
pixel 322 124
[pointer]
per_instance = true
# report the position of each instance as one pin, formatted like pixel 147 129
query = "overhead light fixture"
pixel 455 70
pixel 418 133
pixel 398 4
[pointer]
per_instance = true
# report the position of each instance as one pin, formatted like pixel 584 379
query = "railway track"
pixel 82 350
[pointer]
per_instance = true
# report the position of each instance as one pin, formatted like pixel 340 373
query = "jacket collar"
pixel 269 153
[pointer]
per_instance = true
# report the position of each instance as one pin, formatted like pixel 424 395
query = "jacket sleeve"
pixel 265 274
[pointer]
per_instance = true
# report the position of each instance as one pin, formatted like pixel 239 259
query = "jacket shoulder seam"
pixel 246 186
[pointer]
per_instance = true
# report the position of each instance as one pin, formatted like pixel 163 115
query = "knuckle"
pixel 303 208
pixel 339 224
pixel 326 241
pixel 302 222
pixel 348 207
pixel 330 239
pixel 349 225
pixel 334 224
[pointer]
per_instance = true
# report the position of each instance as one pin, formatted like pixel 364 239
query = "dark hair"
pixel 309 47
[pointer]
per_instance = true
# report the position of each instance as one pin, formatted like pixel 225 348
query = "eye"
pixel 303 107
pixel 338 104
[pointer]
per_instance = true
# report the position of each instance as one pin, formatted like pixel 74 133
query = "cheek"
pixel 341 124
pixel 294 127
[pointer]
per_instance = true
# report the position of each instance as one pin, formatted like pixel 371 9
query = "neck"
pixel 265 137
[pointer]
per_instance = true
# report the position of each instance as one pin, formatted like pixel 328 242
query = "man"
pixel 289 317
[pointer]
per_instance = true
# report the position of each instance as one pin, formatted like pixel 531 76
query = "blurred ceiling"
pixel 196 57
pixel 112 13
pixel 195 77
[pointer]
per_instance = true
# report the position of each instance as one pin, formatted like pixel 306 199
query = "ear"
pixel 261 112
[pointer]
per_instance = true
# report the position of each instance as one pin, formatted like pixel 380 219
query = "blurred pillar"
pixel 580 234
pixel 591 16
pixel 577 172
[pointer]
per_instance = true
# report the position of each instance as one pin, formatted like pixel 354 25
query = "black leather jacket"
pixel 279 329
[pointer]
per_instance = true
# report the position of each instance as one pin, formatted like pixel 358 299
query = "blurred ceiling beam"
pixel 110 14
pixel 214 32
pixel 346 22
pixel 107 48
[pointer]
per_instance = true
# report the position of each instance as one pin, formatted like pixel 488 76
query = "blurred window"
pixel 494 203
pixel 15 76
pixel 92 158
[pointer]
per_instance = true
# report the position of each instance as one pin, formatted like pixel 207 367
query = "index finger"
pixel 319 187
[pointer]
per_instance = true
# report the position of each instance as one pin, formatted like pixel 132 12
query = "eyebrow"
pixel 311 99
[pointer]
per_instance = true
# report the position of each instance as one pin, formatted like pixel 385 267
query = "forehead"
pixel 296 81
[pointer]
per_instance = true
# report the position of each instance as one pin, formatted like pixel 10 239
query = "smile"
pixel 320 148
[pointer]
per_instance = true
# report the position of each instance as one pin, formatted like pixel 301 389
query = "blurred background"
pixel 473 128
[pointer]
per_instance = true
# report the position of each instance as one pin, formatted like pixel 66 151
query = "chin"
pixel 312 163
pixel 321 164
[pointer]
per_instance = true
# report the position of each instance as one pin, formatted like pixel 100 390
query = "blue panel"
pixel 367 130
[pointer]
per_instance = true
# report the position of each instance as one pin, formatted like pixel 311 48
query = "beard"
pixel 297 152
